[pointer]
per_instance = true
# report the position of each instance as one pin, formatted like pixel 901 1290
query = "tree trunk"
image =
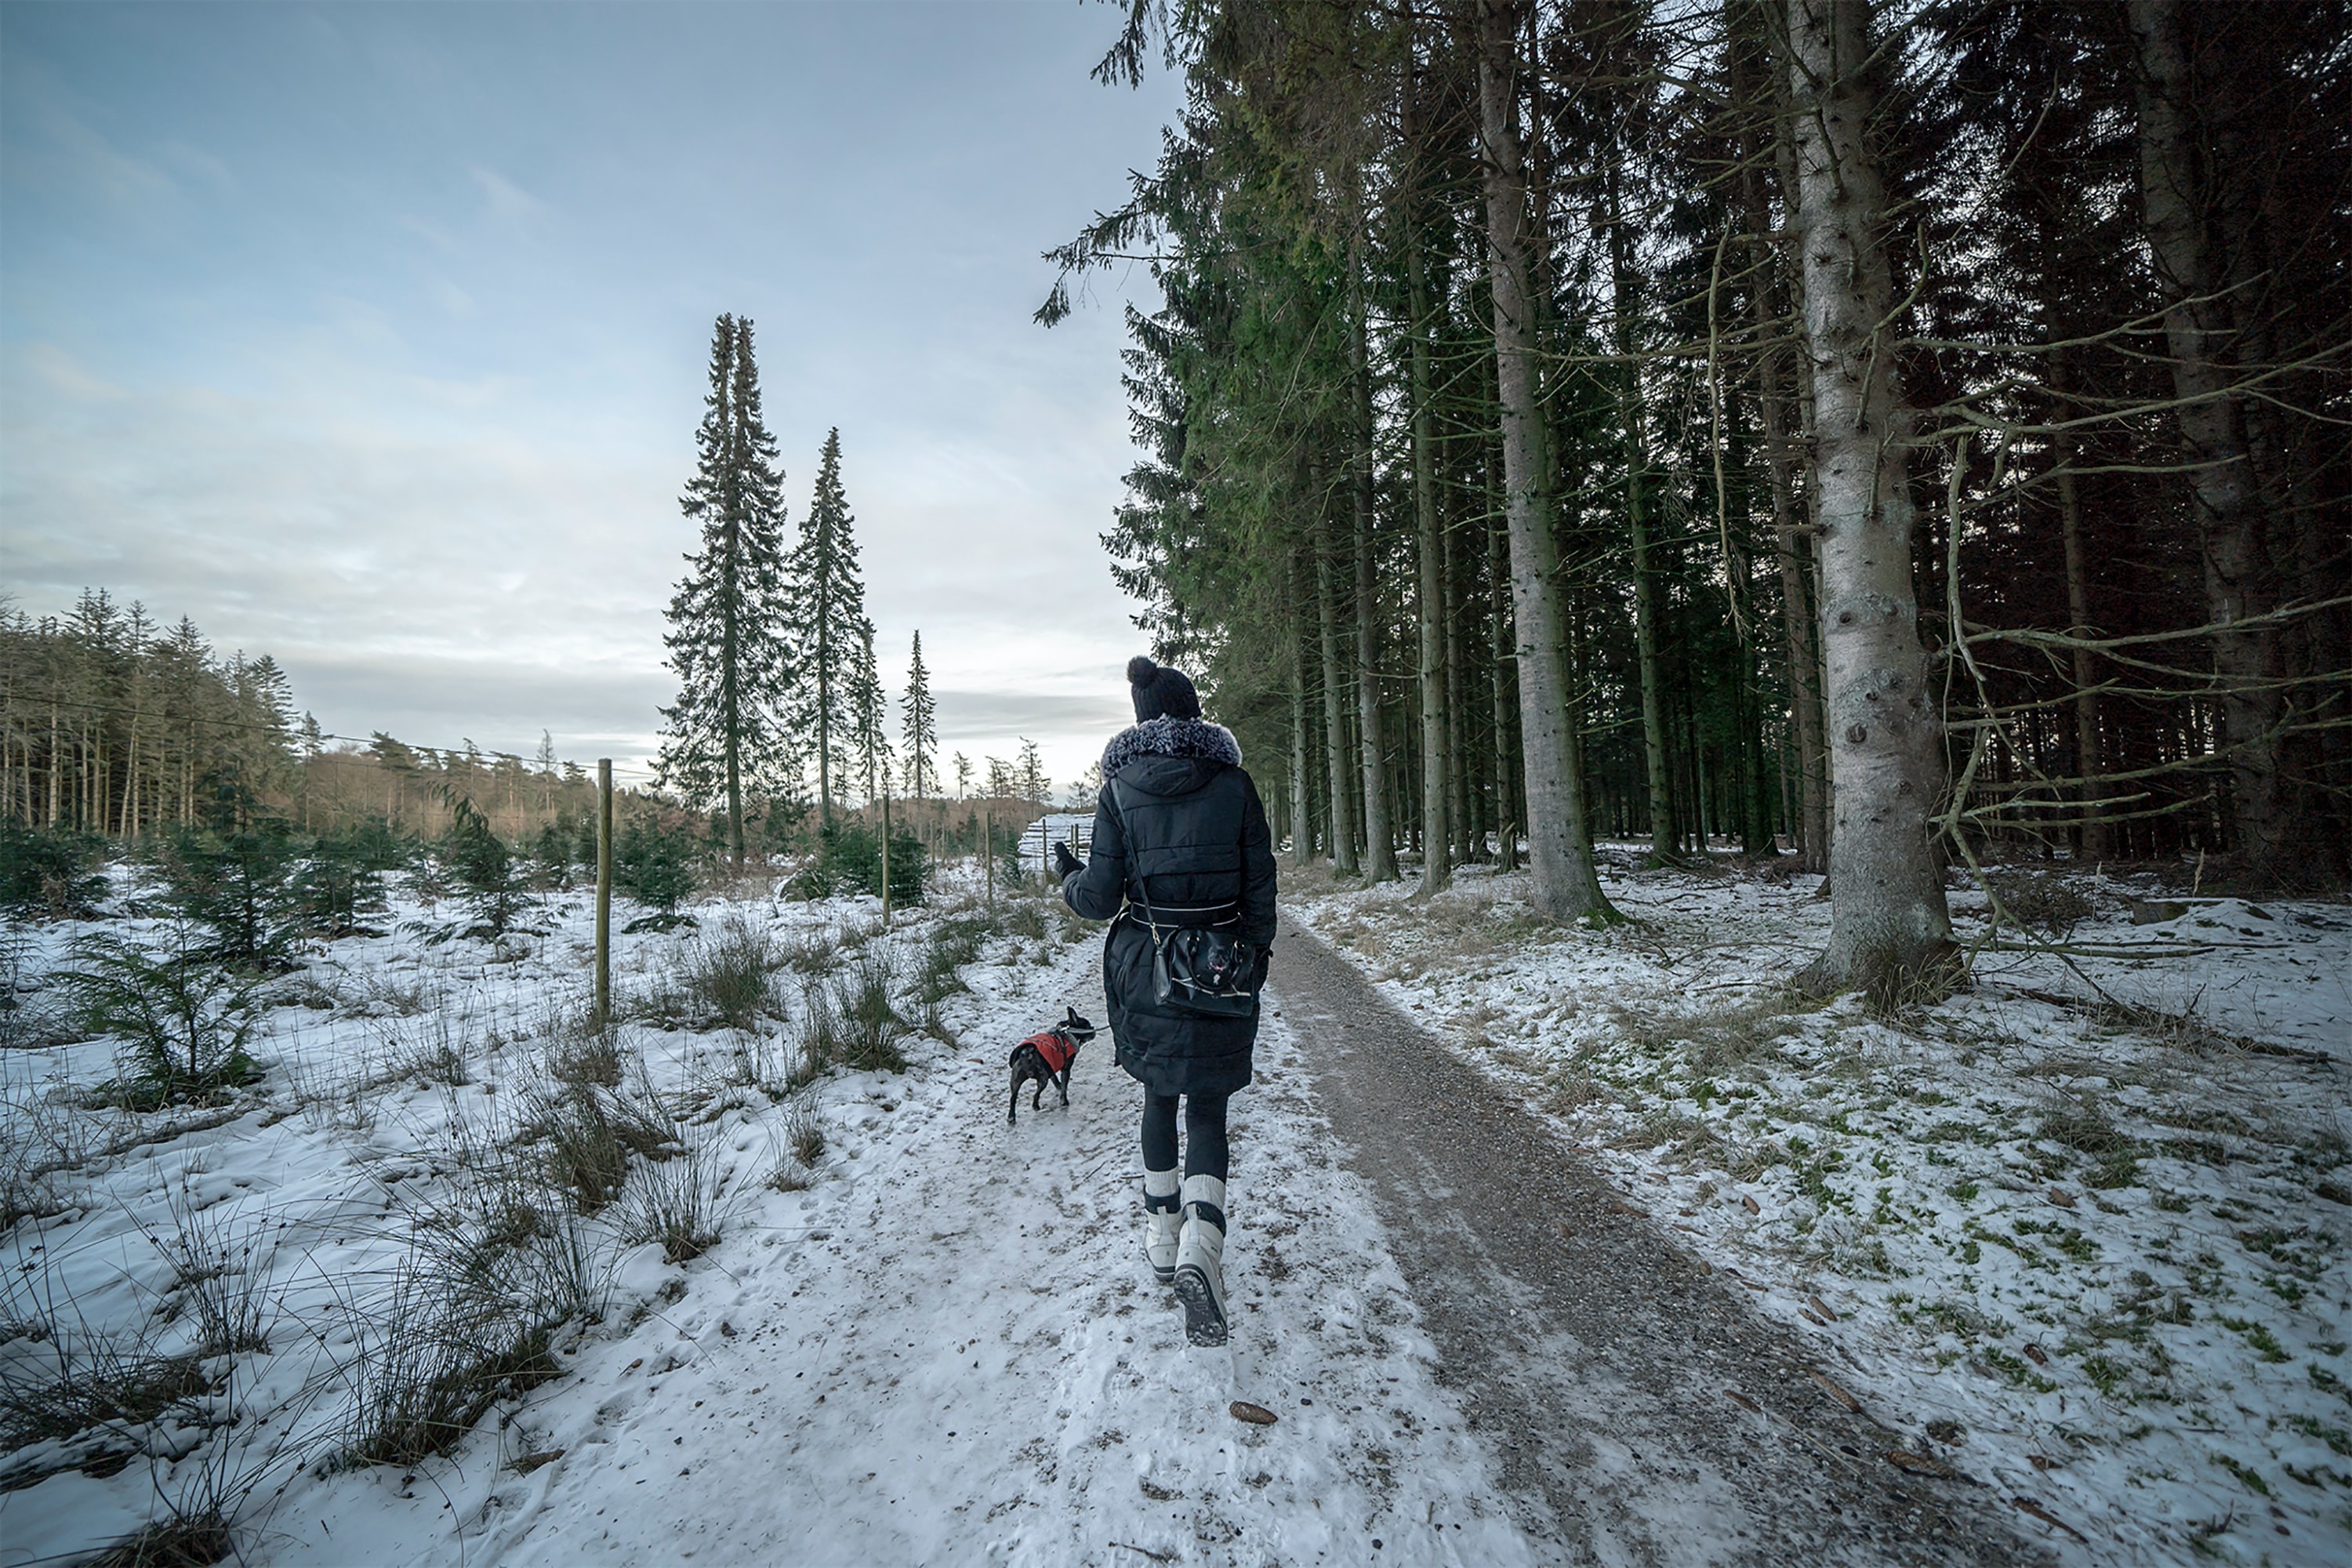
pixel 1645 645
pixel 1380 835
pixel 1457 791
pixel 1887 913
pixel 1565 885
pixel 1500 639
pixel 1302 836
pixel 1819 776
pixel 1437 833
pixel 2213 434
pixel 2088 761
pixel 2287 499
pixel 1810 824
pixel 1646 588
pixel 1335 722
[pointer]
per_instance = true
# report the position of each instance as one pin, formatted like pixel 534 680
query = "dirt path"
pixel 1593 1359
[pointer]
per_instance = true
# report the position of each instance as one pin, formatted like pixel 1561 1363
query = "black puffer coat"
pixel 1178 820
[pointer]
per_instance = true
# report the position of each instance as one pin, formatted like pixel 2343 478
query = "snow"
pixel 2079 1230
pixel 944 1348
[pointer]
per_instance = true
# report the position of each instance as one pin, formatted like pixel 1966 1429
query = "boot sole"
pixel 1205 1325
pixel 1163 1276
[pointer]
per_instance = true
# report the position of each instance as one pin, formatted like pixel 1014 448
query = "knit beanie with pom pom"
pixel 1160 693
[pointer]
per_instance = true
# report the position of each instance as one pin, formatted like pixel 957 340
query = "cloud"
pixel 504 202
pixel 496 585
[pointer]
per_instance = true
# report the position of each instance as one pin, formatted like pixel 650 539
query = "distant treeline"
pixel 111 724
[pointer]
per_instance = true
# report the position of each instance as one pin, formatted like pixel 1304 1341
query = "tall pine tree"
pixel 834 640
pixel 723 735
pixel 922 732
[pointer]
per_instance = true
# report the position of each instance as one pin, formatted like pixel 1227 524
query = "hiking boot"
pixel 1199 1280
pixel 1163 1222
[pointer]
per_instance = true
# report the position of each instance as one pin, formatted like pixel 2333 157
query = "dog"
pixel 1047 1057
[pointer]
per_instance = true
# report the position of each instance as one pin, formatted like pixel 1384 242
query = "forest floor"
pixel 2076 1233
pixel 2090 1265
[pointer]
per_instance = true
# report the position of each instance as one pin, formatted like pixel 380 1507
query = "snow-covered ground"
pixel 2079 1230
pixel 933 1340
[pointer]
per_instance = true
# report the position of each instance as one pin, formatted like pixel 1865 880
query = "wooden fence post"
pixel 604 891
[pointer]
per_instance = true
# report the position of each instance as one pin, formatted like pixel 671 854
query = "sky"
pixel 374 338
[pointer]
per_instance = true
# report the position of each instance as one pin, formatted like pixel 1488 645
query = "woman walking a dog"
pixel 1182 864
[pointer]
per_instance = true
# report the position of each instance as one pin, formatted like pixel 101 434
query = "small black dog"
pixel 1048 1058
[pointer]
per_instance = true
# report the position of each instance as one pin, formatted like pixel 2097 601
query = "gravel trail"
pixel 1597 1361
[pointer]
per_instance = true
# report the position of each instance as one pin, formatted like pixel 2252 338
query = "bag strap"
pixel 1143 893
pixel 1143 887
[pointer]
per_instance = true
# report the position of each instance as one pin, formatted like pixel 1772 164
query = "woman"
pixel 1180 840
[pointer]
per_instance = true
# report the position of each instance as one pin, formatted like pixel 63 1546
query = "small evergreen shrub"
pixel 783 826
pixel 233 873
pixel 656 865
pixel 486 868
pixel 49 871
pixel 337 886
pixel 850 860
pixel 551 857
pixel 375 844
pixel 184 1019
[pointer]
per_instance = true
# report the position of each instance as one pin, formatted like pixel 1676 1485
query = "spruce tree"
pixel 1031 777
pixel 922 732
pixel 726 623
pixel 833 638
pixel 869 705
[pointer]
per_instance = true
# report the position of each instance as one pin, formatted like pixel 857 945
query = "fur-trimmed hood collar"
pixel 1194 739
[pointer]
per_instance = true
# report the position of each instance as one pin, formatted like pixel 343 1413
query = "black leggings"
pixel 1204 1134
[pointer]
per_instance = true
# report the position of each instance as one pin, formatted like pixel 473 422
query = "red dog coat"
pixel 1056 1048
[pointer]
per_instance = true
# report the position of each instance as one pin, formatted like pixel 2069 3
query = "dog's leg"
pixel 1063 1083
pixel 1037 1101
pixel 1012 1112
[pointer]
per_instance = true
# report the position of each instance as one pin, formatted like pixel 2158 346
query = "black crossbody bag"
pixel 1213 971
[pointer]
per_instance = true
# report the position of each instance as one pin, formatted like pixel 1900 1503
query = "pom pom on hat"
pixel 1160 692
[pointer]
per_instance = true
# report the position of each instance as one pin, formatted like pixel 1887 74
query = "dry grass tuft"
pixel 2039 900
pixel 1732 1037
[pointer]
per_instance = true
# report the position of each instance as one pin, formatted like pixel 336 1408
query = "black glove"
pixel 1063 862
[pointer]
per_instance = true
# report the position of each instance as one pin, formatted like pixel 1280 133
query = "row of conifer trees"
pixel 1892 430
pixel 771 642
pixel 781 704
